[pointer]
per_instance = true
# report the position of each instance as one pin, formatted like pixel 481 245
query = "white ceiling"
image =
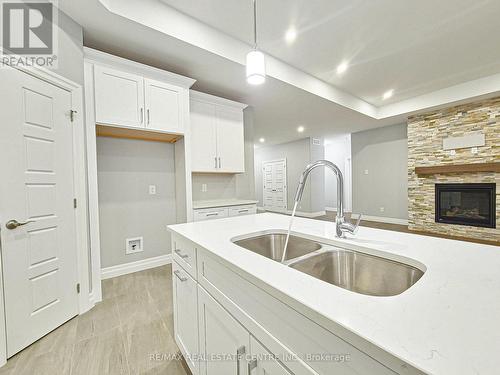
pixel 413 47
pixel 147 31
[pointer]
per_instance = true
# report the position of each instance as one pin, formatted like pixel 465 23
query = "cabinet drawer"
pixel 210 214
pixel 242 210
pixel 184 253
pixel 281 328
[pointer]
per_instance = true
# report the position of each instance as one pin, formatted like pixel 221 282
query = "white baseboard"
pixel 140 265
pixel 297 213
pixel 380 219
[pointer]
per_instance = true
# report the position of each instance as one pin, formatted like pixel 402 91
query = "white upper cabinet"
pixel 164 109
pixel 217 134
pixel 133 95
pixel 230 140
pixel 119 97
pixel 203 137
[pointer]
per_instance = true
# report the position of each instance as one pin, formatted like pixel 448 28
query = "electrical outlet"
pixel 474 150
pixel 152 189
pixel 382 209
pixel 204 188
pixel 366 171
pixel 134 245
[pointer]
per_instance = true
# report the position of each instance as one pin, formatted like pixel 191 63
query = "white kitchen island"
pixel 229 299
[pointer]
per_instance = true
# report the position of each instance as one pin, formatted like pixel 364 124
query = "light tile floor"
pixel 118 336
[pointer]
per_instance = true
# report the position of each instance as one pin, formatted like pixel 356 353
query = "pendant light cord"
pixel 255 24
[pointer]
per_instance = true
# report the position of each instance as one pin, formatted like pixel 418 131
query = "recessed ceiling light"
pixel 301 129
pixel 262 140
pixel 291 35
pixel 342 67
pixel 388 94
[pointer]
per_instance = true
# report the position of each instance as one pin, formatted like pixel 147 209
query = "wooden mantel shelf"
pixel 458 168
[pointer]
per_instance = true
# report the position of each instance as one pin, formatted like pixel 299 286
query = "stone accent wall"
pixel 425 148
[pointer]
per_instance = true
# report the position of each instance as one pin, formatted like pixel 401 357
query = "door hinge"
pixel 74 203
pixel 78 288
pixel 72 114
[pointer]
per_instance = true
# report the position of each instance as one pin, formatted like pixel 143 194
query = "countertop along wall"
pixel 125 170
pixel 383 153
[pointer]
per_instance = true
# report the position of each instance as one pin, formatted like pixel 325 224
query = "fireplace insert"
pixel 466 204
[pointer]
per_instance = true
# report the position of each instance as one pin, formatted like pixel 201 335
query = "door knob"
pixel 13 224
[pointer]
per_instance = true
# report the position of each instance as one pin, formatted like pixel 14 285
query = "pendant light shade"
pixel 256 68
pixel 256 64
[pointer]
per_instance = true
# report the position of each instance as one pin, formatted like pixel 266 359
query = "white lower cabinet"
pixel 223 341
pixel 227 325
pixel 185 294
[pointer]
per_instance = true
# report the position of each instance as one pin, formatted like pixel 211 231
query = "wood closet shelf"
pixel 457 168
pixel 128 133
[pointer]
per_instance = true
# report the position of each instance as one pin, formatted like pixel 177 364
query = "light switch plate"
pixel 152 189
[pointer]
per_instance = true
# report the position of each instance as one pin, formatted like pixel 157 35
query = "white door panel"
pixel 274 185
pixel 163 106
pixel 230 140
pixel 203 137
pixel 36 160
pixel 119 97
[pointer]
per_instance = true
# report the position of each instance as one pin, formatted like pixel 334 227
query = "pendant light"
pixel 256 65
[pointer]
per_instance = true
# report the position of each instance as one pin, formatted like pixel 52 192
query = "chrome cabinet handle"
pixel 178 274
pixel 142 115
pixel 239 352
pixel 179 253
pixel 148 116
pixel 252 365
pixel 13 224
pixel 213 214
pixel 219 163
pixel 215 162
pixel 242 211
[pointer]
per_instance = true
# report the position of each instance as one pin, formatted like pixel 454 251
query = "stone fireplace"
pixel 454 192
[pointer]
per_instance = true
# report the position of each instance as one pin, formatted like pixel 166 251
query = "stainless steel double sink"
pixel 352 270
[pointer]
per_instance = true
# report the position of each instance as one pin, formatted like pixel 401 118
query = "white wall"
pixel 70 49
pixel 125 170
pixel 298 155
pixel 338 151
pixel 380 172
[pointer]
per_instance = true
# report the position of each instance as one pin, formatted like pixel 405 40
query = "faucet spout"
pixel 341 225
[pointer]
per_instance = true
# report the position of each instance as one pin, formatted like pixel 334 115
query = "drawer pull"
pixel 213 214
pixel 181 278
pixel 239 352
pixel 179 253
pixel 242 211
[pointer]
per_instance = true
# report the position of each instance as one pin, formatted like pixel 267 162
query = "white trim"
pixel 140 265
pixel 297 213
pixel 380 219
pixel 101 58
pixel 80 191
pixel 207 98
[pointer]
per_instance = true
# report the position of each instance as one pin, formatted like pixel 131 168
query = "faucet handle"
pixel 356 226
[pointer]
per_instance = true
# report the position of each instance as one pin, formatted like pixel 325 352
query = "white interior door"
pixel 274 180
pixel 119 97
pixel 163 106
pixel 36 160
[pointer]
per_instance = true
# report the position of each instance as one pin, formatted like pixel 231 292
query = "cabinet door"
pixel 119 97
pixel 223 341
pixel 230 140
pixel 203 137
pixel 186 315
pixel 263 363
pixel 164 109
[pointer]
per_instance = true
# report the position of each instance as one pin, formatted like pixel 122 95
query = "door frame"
pixel 285 188
pixel 83 258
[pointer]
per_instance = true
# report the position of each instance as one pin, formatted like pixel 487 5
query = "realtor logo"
pixel 28 31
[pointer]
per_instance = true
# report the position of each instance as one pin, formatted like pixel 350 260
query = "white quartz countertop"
pixel 221 203
pixel 448 323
